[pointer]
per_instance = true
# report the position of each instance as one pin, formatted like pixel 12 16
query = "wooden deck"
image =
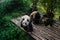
pixel 43 33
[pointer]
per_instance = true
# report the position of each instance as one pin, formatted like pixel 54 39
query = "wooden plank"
pixel 33 34
pixel 36 34
pixel 41 32
pixel 57 24
pixel 48 32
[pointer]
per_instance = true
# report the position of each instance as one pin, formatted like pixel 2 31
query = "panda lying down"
pixel 26 23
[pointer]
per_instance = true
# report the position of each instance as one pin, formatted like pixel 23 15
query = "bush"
pixel 10 9
pixel 7 7
pixel 10 31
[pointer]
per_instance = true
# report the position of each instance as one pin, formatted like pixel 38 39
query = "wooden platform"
pixel 41 32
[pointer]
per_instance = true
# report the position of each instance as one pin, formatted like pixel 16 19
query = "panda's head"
pixel 25 20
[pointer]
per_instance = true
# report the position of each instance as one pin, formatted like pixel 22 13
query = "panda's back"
pixel 37 16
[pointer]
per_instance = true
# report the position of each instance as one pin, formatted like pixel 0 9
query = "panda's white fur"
pixel 33 14
pixel 25 20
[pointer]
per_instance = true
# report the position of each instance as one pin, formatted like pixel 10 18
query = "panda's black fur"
pixel 28 28
pixel 48 21
pixel 35 16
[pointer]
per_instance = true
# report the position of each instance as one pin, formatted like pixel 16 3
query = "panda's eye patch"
pixel 27 20
pixel 23 18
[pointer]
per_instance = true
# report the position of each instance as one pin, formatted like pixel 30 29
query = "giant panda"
pixel 35 16
pixel 26 23
pixel 47 21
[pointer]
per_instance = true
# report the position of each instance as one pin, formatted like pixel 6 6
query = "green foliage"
pixel 8 6
pixel 41 8
pixel 11 9
pixel 52 4
pixel 12 32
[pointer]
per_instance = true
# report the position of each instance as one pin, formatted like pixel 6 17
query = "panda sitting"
pixel 26 23
pixel 35 16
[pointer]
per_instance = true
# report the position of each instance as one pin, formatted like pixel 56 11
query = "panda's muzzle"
pixel 25 23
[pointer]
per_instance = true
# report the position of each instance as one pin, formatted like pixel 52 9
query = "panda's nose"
pixel 25 23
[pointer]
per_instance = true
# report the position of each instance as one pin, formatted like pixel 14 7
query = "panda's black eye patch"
pixel 23 18
pixel 27 20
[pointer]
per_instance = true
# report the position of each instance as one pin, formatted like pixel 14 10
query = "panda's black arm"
pixel 30 27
